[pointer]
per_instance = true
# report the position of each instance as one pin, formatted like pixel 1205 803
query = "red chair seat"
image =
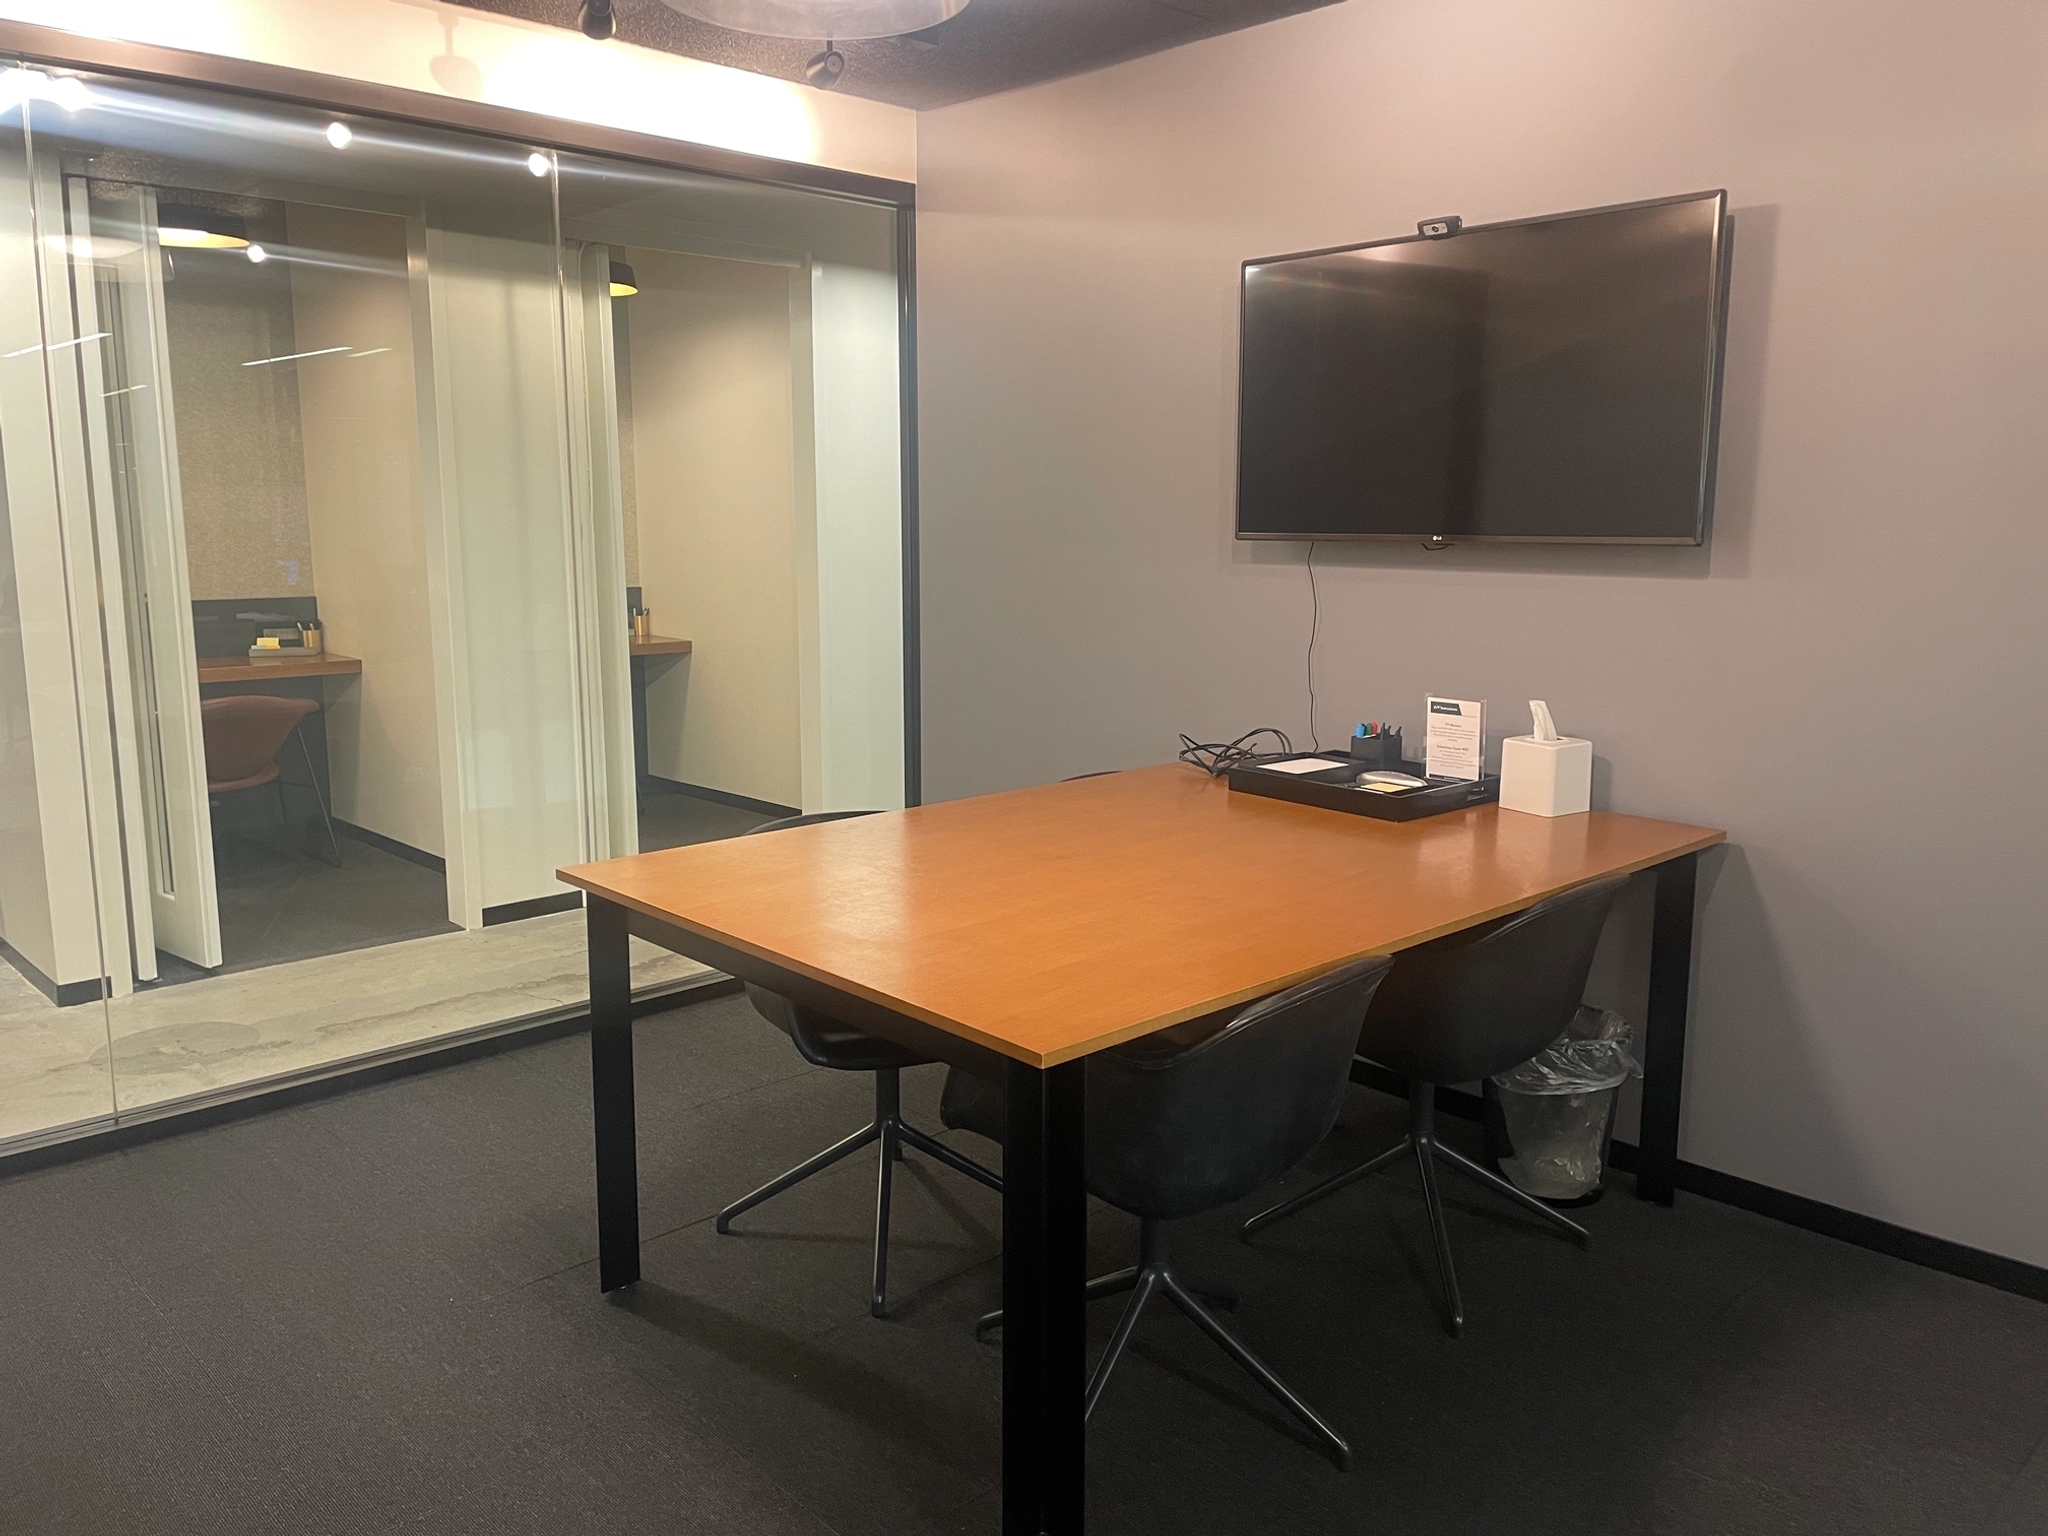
pixel 243 734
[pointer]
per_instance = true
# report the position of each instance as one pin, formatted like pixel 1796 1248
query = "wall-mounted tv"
pixel 1546 380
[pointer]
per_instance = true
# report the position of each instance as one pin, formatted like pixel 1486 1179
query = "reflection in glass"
pixel 363 453
pixel 751 389
pixel 54 856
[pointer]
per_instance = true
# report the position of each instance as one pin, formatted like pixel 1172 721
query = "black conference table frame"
pixel 1044 1199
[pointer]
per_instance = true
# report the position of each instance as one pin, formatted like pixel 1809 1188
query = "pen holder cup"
pixel 1378 752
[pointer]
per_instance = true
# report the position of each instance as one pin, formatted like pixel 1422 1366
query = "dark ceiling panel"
pixel 993 45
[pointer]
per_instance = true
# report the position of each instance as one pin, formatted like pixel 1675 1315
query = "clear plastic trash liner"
pixel 1558 1106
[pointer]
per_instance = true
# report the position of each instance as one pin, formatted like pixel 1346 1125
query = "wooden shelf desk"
pixel 1016 934
pixel 661 645
pixel 655 653
pixel 261 669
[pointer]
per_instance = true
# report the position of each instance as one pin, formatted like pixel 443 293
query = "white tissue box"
pixel 1546 778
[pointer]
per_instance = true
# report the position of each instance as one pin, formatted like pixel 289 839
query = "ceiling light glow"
pixel 58 346
pixel 292 357
pixel 18 85
pixel 198 239
pixel 91 247
pixel 188 227
pixel 837 19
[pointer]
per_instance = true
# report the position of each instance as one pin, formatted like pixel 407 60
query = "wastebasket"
pixel 1555 1112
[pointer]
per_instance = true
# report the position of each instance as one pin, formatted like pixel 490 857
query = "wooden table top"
pixel 661 645
pixel 261 669
pixel 1049 923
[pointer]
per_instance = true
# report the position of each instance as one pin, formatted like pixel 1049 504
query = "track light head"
pixel 825 69
pixel 595 19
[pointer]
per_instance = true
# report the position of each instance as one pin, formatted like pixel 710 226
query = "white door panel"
pixel 140 424
pixel 87 464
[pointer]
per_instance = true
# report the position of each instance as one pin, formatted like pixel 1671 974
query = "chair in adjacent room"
pixel 1457 1010
pixel 826 1042
pixel 243 733
pixel 1193 1118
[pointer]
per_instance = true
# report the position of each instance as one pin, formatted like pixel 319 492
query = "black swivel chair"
pixel 1193 1118
pixel 1457 1010
pixel 825 1042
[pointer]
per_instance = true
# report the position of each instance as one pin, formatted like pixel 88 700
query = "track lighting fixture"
pixel 824 69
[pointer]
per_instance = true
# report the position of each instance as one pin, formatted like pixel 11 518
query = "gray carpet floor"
pixel 281 900
pixel 672 820
pixel 378 1312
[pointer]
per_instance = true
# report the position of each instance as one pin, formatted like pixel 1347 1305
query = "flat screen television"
pixel 1545 380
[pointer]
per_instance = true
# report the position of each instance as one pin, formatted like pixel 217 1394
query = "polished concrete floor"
pixel 63 1068
pixel 294 992
pixel 378 1312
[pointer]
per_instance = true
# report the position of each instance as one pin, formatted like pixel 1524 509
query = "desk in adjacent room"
pixel 1016 934
pixel 642 651
pixel 214 670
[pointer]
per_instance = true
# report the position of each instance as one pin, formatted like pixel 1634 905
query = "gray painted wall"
pixel 1851 679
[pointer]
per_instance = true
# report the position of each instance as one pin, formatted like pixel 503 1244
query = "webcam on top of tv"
pixel 1440 229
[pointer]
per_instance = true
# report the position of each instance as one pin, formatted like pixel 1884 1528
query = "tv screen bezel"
pixel 1717 329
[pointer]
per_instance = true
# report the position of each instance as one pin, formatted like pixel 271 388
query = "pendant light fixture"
pixel 623 285
pixel 837 19
pixel 187 227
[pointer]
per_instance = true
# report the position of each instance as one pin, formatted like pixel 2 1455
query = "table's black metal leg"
pixel 1045 1274
pixel 611 1096
pixel 1664 1033
pixel 640 770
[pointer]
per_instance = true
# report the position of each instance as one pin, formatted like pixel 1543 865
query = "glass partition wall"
pixel 392 516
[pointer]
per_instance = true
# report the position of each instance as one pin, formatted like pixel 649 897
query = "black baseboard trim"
pixel 67 994
pixel 1992 1269
pixel 540 906
pixel 723 797
pixel 392 846
pixel 121 1137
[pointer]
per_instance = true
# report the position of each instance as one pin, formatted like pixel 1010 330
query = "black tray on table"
pixel 1335 789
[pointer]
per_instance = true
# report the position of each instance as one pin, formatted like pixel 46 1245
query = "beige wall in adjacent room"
pixel 360 427
pixel 715 493
pixel 241 470
pixel 1850 679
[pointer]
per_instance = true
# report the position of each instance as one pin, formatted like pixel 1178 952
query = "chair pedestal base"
pixel 1155 1274
pixel 893 1134
pixel 1422 1145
